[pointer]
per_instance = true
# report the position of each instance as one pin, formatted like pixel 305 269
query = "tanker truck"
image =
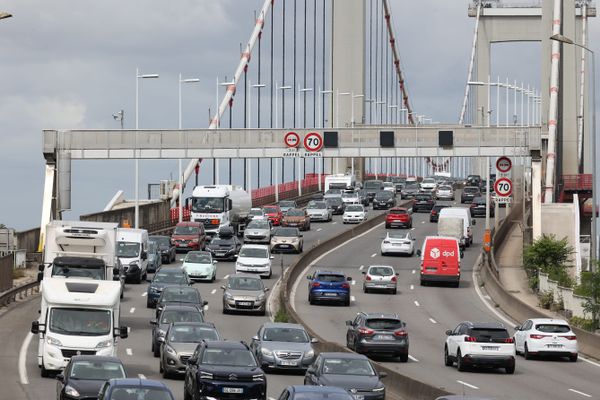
pixel 218 206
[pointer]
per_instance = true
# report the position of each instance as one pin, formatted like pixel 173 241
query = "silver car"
pixel 318 211
pixel 283 346
pixel 179 343
pixel 245 293
pixel 258 231
pixel 380 278
pixel 445 192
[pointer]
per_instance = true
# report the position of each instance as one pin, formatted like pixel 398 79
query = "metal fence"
pixel 6 271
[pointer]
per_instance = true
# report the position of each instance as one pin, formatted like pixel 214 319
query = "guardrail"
pixel 21 291
pixel 398 386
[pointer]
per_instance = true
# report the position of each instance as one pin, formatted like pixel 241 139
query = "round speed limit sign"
pixel 313 141
pixel 292 139
pixel 503 187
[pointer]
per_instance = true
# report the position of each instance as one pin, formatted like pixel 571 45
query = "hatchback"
pixel 254 258
pixel 273 214
pixel 354 214
pixel 318 211
pixel 170 314
pixel 279 345
pixel 384 200
pixel 398 242
pixel 135 388
pixel 546 337
pixel 258 231
pixel 287 239
pixel 477 208
pixel 434 215
pixel 245 293
pixel 380 278
pixel 336 205
pixel 398 217
pixel 84 376
pixel 445 192
pixel 378 334
pixel 423 202
pixel 200 266
pixel 180 295
pixel 329 286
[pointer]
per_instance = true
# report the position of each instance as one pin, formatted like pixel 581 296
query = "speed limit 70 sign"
pixel 313 141
pixel 503 187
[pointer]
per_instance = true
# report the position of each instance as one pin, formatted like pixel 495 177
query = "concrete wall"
pixel 28 240
pixel 149 214
pixel 571 301
pixel 560 219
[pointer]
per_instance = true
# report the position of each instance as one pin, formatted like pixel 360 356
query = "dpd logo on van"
pixel 434 253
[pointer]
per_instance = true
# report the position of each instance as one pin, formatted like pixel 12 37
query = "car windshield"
pixel 169 277
pixel 208 204
pixel 471 189
pixel 270 210
pixel 128 249
pixel 170 316
pixel 354 208
pixel 439 207
pixel 96 370
pixel 397 235
pixel 488 334
pixel 293 335
pixel 349 195
pixel 412 186
pixel 373 185
pixel 294 212
pixel 384 195
pixel 254 252
pixel 228 357
pixel 258 224
pixel 330 278
pixel 313 395
pixel 198 257
pixel 398 212
pixel 92 272
pixel 181 295
pixel 428 180
pixel 286 232
pixel 138 392
pixel 423 197
pixel 334 191
pixel 444 188
pixel 479 200
pixel 347 366
pixel 383 323
pixel 186 230
pixel 288 204
pixel 80 322
pixel 191 334
pixel 221 241
pixel 381 271
pixel 256 212
pixel 319 205
pixel 334 201
pixel 162 241
pixel 553 328
pixel 243 283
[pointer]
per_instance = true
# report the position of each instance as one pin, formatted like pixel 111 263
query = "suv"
pixel 398 216
pixel 329 286
pixel 224 370
pixel 273 214
pixel 423 201
pixel 246 293
pixel 480 344
pixel 378 334
pixel 477 208
pixel 189 236
pixel 297 217
pixel 468 193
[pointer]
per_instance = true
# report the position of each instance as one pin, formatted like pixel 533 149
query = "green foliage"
pixel 583 323
pixel 592 304
pixel 282 316
pixel 546 299
pixel 585 288
pixel 551 256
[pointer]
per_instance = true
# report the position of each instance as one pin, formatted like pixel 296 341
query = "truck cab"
pixel 217 206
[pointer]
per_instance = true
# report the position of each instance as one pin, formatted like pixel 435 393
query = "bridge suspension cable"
pixel 471 64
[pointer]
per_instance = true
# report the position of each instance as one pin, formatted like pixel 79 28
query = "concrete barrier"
pixel 398 386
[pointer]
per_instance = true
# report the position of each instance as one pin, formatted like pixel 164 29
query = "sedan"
pixel 84 376
pixel 546 337
pixel 380 278
pixel 166 248
pixel 280 345
pixel 245 293
pixel 303 392
pixel 286 239
pixel 353 372
pixel 296 217
pixel 200 266
pixel 170 314
pixel 378 334
pixel 318 211
pixel 354 214
pixel 398 242
pixel 258 231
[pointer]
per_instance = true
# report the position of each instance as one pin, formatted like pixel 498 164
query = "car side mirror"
pixel 448 332
pixel 517 328
pixel 474 222
pixel 309 277
pixel 397 274
pixel 363 272
pixel 311 370
pixel 41 267
pixel 36 327
pixel 383 374
pixel 60 377
pixel 349 279
pixel 223 287
pixel 419 253
pixel 144 255
pixel 204 303
pixel 348 323
pixel 116 271
pixel 153 322
pixel 301 235
pixel 462 254
pixel 266 289
pixel 314 340
pixel 40 276
pixel 255 338
pixel 123 332
pixel 161 339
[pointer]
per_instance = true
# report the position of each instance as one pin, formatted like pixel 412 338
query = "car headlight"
pixel 228 296
pixel 161 333
pixel 195 240
pixel 260 297
pixel 258 378
pixel 170 350
pixel 71 391
pixel 53 341
pixel 205 375
pixel 239 264
pixel 309 354
pixel 266 352
pixel 103 344
pixel 379 389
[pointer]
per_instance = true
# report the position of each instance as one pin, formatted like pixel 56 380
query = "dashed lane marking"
pixel 226 276
pixel 142 376
pixel 205 307
pixel 333 223
pixel 417 303
pixel 413 358
pixel 132 310
pixel 414 271
pixel 353 282
pixel 467 384
pixel 352 298
pixel 144 294
pixel 361 267
pixel 129 351
pixel 433 321
pixel 213 291
pixel 373 255
pixel 578 392
pixel 23 359
pixel 319 230
pixel 412 287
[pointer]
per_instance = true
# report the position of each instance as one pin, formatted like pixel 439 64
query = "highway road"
pixel 135 350
pixel 429 311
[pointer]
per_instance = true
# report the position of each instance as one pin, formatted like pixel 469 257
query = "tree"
pixel 551 256
pixel 592 304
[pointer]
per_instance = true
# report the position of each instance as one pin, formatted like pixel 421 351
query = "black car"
pixel 399 186
pixel 224 247
pixel 336 205
pixel 304 392
pixel 478 207
pixel 170 314
pixel 378 334
pixel 473 180
pixel 84 376
pixel 384 200
pixel 372 187
pixel 350 371
pixel 410 191
pixel 224 370
pixel 468 193
pixel 423 202
pixel 135 388
pixel 162 278
pixel 434 215
pixel 166 249
pixel 364 198
pixel 182 295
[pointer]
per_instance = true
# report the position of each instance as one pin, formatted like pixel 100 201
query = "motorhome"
pixel 339 181
pixel 77 316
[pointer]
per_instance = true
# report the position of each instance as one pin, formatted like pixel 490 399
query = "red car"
pixel 188 236
pixel 274 214
pixel 398 217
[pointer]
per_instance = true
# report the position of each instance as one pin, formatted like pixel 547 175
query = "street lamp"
pixel 216 177
pixel 135 155
pixel 4 15
pixel 337 106
pixel 566 40
pixel 257 86
pixel 189 80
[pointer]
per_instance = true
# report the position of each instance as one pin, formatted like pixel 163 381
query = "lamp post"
pixel 303 91
pixel 256 86
pixel 135 155
pixel 4 15
pixel 189 80
pixel 566 40
pixel 216 177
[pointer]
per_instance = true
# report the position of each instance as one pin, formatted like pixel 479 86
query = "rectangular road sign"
pixel 503 200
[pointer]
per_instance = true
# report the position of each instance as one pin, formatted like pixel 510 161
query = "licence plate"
pixel 431 269
pixel 554 346
pixel 358 397
pixel 232 390
pixel 245 303
pixel 383 337
pixel 284 246
pixel 182 244
pixel 289 363
pixel 330 294
pixel 494 348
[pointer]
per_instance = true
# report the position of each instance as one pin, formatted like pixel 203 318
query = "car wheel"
pixel 161 369
pixel 214 277
pixel 347 303
pixel 447 360
pixel 459 363
pixel 311 301
pixel 423 283
pixel 365 290
pixel 410 225
pixel 387 226
pixel 573 358
pixel 186 395
pixel 156 351
pixel 404 357
pixel 526 352
pixel 510 370
pixel 394 291
pixel 44 372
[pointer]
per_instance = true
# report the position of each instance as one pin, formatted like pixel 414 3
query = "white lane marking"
pixel 413 358
pixel 23 359
pixel 422 222
pixel 414 271
pixel 297 283
pixel 361 267
pixel 142 376
pixel 319 230
pixel 412 229
pixel 226 276
pixel 272 398
pixel 333 223
pixel 132 310
pixel 205 308
pixel 433 321
pixel 213 291
pixel 581 393
pixel 129 351
pixel 128 330
pixel 353 282
pixel 352 298
pixel 588 361
pixel 144 294
pixel 412 287
pixel 417 303
pixel 373 255
pixel 467 384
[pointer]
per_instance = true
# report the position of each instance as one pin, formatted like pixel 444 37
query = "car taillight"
pixel 509 340
pixel 315 284
pixel 368 277
pixel 536 336
pixel 345 286
pixel 570 337
pixel 401 333
pixel 473 205
pixel 433 212
pixel 394 279
pixel 470 339
pixel 366 331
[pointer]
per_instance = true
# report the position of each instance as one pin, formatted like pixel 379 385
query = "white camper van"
pixel 132 250
pixel 77 316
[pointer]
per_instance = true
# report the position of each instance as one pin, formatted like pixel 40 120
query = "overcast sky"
pixel 71 64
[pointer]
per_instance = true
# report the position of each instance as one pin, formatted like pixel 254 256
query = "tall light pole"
pixel 135 155
pixel 566 40
pixel 4 15
pixel 189 80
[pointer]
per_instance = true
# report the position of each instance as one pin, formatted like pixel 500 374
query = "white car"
pixel 355 213
pixel 350 198
pixel 200 266
pixel 480 344
pixel 254 258
pixel 546 337
pixel 445 193
pixel 389 187
pixel 398 242
pixel 257 214
pixel 318 211
pixel 380 277
pixel 428 184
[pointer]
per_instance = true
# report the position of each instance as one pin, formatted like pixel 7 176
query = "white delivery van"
pixel 464 213
pixel 452 227
pixel 132 250
pixel 77 316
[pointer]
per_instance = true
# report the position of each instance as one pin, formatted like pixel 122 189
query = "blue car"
pixel 133 388
pixel 329 286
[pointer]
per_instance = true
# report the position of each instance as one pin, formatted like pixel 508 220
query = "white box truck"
pixel 218 206
pixel 77 316
pixel 339 181
pixel 452 227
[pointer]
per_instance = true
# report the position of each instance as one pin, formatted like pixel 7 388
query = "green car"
pixel 200 266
